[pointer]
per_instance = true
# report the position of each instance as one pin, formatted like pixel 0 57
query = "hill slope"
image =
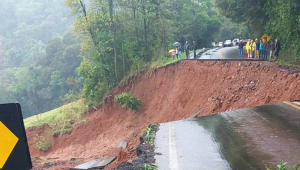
pixel 170 93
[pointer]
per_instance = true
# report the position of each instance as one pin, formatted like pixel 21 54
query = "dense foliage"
pixel 38 59
pixel 126 100
pixel 120 36
pixel 39 56
pixel 280 19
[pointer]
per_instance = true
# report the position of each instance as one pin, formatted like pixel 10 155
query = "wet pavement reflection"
pixel 241 139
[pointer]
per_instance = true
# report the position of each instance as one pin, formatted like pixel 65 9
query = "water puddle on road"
pixel 255 137
pixel 232 145
pixel 250 138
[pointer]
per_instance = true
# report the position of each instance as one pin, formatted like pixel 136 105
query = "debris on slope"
pixel 169 93
pixel 144 151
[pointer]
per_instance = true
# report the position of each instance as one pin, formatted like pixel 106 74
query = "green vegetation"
pixel 279 19
pixel 126 100
pixel 42 143
pixel 164 61
pixel 150 135
pixel 287 62
pixel 38 56
pixel 61 127
pixel 282 166
pixel 121 37
pixel 42 61
pixel 150 167
pixel 71 112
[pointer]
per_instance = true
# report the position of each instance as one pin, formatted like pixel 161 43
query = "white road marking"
pixel 172 147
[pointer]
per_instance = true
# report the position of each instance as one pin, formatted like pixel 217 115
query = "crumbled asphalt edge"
pixel 291 70
pixel 201 52
pixel 145 153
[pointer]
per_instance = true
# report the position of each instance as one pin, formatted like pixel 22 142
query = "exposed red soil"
pixel 169 93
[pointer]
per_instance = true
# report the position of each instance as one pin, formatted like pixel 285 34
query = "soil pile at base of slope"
pixel 171 93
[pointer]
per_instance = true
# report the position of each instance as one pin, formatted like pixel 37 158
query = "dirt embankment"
pixel 170 93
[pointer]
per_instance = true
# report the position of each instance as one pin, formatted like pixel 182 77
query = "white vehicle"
pixel 228 43
pixel 235 41
pixel 220 44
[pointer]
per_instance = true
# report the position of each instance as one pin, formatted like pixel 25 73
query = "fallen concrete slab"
pixel 97 163
pixel 122 144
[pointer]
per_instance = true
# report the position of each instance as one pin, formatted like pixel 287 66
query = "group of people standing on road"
pixel 259 49
pixel 177 51
pixel 187 49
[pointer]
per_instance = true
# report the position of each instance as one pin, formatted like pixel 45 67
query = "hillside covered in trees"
pixel 119 37
pixel 51 51
pixel 38 57
pixel 277 18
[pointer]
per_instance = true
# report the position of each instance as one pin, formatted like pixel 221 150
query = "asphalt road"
pixel 242 139
pixel 223 53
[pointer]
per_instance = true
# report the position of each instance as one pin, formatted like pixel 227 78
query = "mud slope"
pixel 171 93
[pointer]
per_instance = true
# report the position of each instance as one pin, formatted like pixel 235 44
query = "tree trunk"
pixel 112 28
pixel 123 60
pixel 146 34
pixel 134 19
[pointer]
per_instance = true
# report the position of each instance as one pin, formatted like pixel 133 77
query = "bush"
pixel 150 134
pixel 61 127
pixel 150 167
pixel 126 100
pixel 42 143
pixel 282 166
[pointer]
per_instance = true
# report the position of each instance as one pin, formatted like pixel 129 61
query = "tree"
pixel 279 19
pixel 118 36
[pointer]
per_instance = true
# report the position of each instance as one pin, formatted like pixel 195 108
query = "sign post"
pixel 14 152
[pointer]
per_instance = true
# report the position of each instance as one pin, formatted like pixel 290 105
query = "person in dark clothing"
pixel 187 48
pixel 277 49
pixel 241 45
pixel 272 49
pixel 178 52
pixel 194 49
pixel 260 48
pixel 265 49
pixel 257 44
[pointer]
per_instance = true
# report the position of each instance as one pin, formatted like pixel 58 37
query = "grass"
pixel 60 127
pixel 288 63
pixel 150 167
pixel 163 61
pixel 288 59
pixel 156 63
pixel 150 135
pixel 59 116
pixel 42 143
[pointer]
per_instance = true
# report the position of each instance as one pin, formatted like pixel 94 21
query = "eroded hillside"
pixel 169 93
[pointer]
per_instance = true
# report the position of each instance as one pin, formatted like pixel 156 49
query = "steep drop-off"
pixel 170 93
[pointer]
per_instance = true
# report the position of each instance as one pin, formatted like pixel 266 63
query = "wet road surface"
pixel 191 54
pixel 223 53
pixel 241 139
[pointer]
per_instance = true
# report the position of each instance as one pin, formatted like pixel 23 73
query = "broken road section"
pixel 248 138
